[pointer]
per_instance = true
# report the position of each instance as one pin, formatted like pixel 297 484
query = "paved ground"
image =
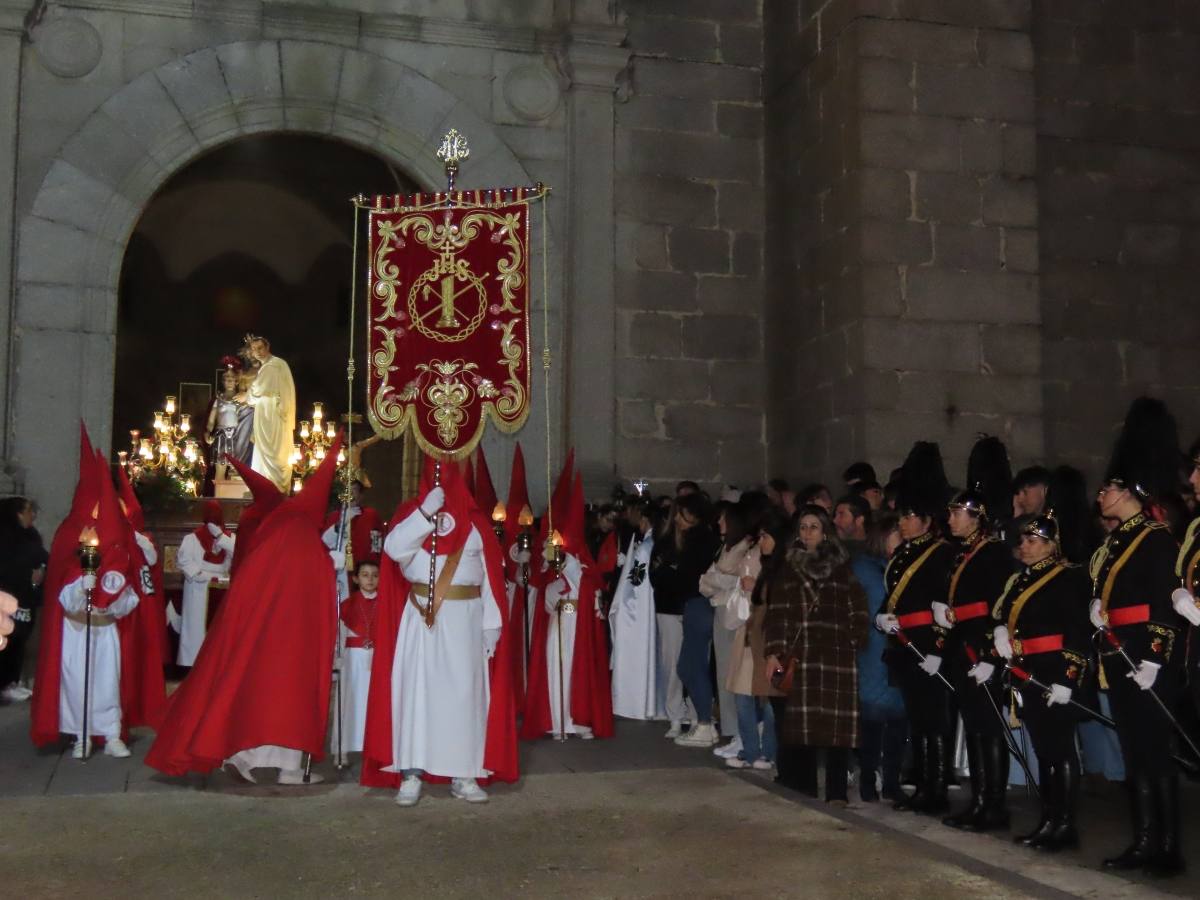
pixel 634 816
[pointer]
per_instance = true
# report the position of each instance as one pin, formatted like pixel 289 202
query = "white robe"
pixel 567 585
pixel 354 683
pixel 633 625
pixel 104 702
pixel 273 396
pixel 440 691
pixel 197 574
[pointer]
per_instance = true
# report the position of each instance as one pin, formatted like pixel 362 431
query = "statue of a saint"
pixel 273 397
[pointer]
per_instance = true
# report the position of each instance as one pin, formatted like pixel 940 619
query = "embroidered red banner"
pixel 448 324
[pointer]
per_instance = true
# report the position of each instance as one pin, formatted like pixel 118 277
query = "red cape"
pixel 143 636
pixel 500 749
pixel 591 685
pixel 264 671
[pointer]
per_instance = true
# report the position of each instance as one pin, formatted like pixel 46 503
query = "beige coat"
pixel 746 667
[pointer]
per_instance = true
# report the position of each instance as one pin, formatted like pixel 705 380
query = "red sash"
pixel 1046 644
pixel 1129 615
pixel 916 619
pixel 969 611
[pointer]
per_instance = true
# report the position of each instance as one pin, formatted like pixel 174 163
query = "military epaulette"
pixel 1153 523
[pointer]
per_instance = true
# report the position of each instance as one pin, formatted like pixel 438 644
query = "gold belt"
pixel 99 619
pixel 453 592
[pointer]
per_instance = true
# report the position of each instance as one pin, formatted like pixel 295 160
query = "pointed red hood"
pixel 116 567
pixel 267 498
pixel 87 489
pixel 455 523
pixel 561 497
pixel 485 491
pixel 133 507
pixel 518 491
pixel 574 527
pixel 261 488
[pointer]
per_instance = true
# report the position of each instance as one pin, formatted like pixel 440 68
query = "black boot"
pixel 976 766
pixel 936 750
pixel 909 802
pixel 1066 799
pixel 1168 860
pixel 1045 826
pixel 993 812
pixel 1145 836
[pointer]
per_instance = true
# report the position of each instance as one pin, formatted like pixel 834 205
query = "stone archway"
pixel 72 243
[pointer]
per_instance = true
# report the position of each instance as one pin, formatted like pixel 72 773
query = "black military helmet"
pixel 971 501
pixel 1044 526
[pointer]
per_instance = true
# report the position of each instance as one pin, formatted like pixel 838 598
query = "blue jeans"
pixel 693 656
pixel 751 712
pixel 1101 749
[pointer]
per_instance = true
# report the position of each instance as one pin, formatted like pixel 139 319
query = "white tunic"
pixel 633 625
pixel 440 688
pixel 337 550
pixel 197 574
pixel 355 683
pixel 566 585
pixel 104 702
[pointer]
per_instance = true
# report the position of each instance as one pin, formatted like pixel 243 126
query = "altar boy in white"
pixel 358 613
pixel 440 703
pixel 634 628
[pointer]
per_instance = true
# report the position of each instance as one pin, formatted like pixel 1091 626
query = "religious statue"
pixel 230 422
pixel 273 397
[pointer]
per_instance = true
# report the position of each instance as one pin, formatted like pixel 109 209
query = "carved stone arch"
pixel 72 242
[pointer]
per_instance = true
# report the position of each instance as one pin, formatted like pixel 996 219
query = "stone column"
pixel 594 59
pixel 12 24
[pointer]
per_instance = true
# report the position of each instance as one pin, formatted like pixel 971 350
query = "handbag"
pixel 782 678
pixel 736 609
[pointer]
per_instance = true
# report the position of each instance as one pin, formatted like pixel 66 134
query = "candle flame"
pixel 499 513
pixel 525 517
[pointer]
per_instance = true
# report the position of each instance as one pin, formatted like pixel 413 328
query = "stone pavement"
pixel 634 816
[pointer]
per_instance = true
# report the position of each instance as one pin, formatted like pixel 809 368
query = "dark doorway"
pixel 254 236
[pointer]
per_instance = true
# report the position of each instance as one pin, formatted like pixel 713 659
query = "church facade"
pixel 782 235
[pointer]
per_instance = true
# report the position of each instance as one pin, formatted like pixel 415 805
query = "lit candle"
pixel 295 485
pixel 134 434
pixel 169 406
pixel 123 457
pixel 164 448
pixel 158 421
pixel 319 453
pixel 499 513
pixel 341 457
pixel 525 518
pixel 185 423
pixel 329 431
pixel 318 413
pixel 304 432
pixel 190 487
pixel 144 450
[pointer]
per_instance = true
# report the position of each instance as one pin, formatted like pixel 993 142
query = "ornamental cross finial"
pixel 454 150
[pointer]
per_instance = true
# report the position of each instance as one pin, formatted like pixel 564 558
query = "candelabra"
pixel 171 451
pixel 315 437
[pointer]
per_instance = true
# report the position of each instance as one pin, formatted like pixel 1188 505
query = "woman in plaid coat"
pixel 817 615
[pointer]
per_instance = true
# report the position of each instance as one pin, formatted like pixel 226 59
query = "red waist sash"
pixel 916 619
pixel 1045 644
pixel 969 611
pixel 1129 615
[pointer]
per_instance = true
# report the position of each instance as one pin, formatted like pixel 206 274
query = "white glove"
pixel 491 637
pixel 1185 605
pixel 620 560
pixel 433 502
pixel 941 614
pixel 887 623
pixel 981 671
pixel 931 664
pixel 1145 673
pixel 1094 614
pixel 1059 695
pixel 213 529
pixel 89 581
pixel 339 559
pixel 1001 642
pixel 174 619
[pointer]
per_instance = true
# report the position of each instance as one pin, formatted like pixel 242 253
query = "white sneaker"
pixel 674 731
pixel 116 748
pixel 736 762
pixel 584 733
pixel 77 750
pixel 763 765
pixel 468 789
pixel 14 693
pixel 703 734
pixel 296 776
pixel 733 748
pixel 410 791
pixel 239 766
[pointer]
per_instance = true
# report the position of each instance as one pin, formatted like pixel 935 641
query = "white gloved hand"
pixel 174 619
pixel 1145 674
pixel 620 560
pixel 941 614
pixel 89 581
pixel 931 664
pixel 1059 695
pixel 339 560
pixel 491 637
pixel 213 529
pixel 887 623
pixel 1185 605
pixel 1094 614
pixel 1001 642
pixel 981 671
pixel 433 502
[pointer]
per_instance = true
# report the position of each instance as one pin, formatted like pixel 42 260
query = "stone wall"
pixel 1119 178
pixel 904 293
pixel 689 217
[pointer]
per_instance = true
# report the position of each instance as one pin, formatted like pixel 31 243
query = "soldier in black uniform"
pixel 981 569
pixel 1184 599
pixel 1133 577
pixel 1041 626
pixel 915 577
